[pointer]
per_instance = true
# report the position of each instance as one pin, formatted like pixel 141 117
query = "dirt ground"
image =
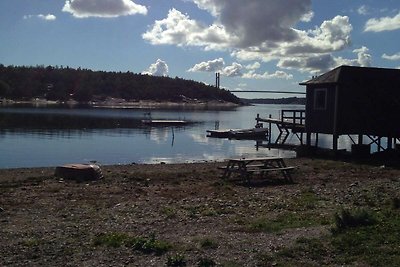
pixel 201 219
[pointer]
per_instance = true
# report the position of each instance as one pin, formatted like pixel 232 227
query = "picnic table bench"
pixel 246 167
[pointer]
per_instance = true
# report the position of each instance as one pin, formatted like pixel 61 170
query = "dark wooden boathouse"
pixel 357 101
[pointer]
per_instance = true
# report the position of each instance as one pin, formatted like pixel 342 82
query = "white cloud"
pixel 318 64
pixel 307 17
pixel 363 10
pixel 103 8
pixel 218 65
pixel 268 34
pixel 383 24
pixel 48 17
pixel 393 57
pixel 178 29
pixel 234 70
pixel 333 35
pixel 363 57
pixel 233 27
pixel 258 20
pixel 267 76
pixel 208 66
pixel 160 68
pixel 254 66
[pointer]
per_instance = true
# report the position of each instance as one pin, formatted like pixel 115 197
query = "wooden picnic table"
pixel 245 167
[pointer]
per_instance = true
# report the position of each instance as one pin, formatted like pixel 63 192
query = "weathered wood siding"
pixel 320 120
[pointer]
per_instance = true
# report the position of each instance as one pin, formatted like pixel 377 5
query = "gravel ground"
pixel 48 221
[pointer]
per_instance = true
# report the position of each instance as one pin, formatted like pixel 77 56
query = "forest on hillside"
pixel 65 83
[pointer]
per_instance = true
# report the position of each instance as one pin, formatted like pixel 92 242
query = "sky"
pixel 254 44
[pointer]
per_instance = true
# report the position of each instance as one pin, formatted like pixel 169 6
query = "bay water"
pixel 52 136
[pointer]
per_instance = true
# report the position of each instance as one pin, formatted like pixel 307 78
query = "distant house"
pixel 354 101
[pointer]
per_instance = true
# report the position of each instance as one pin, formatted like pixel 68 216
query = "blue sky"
pixel 254 44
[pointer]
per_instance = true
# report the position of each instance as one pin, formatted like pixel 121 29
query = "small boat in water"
pixel 164 122
pixel 148 120
pixel 252 133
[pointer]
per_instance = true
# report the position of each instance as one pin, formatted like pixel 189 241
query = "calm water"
pixel 33 137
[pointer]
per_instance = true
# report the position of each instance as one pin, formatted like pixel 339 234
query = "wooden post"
pixel 269 130
pixel 335 118
pixel 308 139
pixel 379 144
pixel 360 139
pixel 335 142
pixel 301 138
pixel 389 142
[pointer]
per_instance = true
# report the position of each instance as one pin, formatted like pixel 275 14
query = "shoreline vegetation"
pixel 121 103
pixel 59 84
pixel 151 104
pixel 63 84
pixel 335 213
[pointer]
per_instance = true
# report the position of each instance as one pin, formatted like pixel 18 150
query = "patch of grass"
pixel 396 203
pixel 169 212
pixel 31 242
pixel 111 240
pixel 193 212
pixel 285 221
pixel 145 245
pixel 305 252
pixel 329 165
pixel 202 210
pixel 176 260
pixel 209 212
pixel 373 197
pixel 350 219
pixel 208 243
pixel 149 245
pixel 377 244
pixel 359 242
pixel 306 200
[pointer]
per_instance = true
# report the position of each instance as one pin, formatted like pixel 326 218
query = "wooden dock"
pixel 295 127
pixel 291 121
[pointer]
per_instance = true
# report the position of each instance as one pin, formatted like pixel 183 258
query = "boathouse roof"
pixel 351 74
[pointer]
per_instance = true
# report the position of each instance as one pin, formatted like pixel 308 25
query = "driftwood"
pixel 79 172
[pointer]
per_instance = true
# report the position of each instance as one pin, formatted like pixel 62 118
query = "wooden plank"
pixel 236 167
pixel 271 169
pixel 255 159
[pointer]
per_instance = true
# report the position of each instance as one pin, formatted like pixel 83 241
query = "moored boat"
pixel 252 133
pixel 164 122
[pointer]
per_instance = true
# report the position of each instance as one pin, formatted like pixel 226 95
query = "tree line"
pixel 82 85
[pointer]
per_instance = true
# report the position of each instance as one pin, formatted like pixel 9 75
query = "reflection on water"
pixel 53 136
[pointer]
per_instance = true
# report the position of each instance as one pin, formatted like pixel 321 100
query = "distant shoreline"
pixel 154 104
pixel 120 103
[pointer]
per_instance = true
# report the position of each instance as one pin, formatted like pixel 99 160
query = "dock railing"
pixel 293 116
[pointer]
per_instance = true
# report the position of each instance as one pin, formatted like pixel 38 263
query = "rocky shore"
pixel 186 215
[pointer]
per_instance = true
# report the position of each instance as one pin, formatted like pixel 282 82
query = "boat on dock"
pixel 252 133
